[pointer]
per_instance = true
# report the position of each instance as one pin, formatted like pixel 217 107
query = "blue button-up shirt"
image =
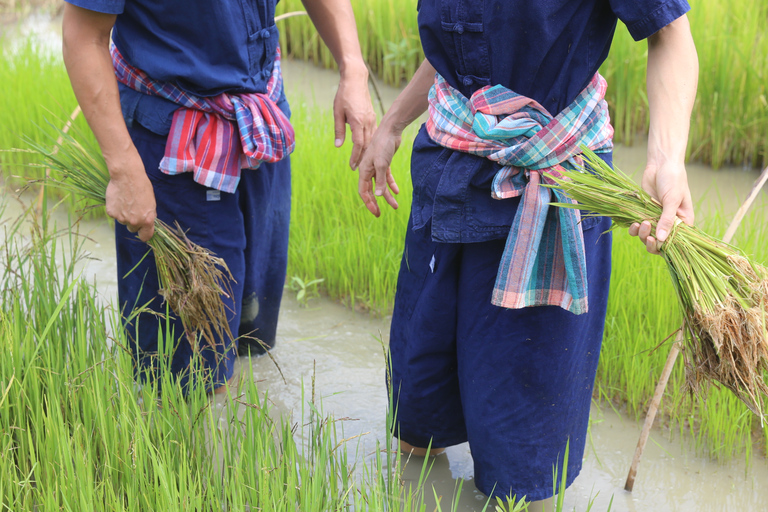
pixel 205 48
pixel 547 50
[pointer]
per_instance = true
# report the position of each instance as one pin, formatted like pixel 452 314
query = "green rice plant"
pixel 79 434
pixel 387 31
pixel 723 296
pixel 730 117
pixel 633 353
pixel 333 236
pixel 36 85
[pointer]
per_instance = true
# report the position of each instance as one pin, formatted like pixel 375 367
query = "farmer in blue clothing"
pixel 501 299
pixel 187 104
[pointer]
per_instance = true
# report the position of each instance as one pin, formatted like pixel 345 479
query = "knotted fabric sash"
pixel 215 137
pixel 543 261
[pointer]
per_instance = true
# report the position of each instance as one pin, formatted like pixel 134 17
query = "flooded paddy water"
pixel 343 352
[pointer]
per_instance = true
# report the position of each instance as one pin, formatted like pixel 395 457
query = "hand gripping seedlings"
pixel 192 279
pixel 723 296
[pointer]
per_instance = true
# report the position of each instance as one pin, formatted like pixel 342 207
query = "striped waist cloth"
pixel 215 137
pixel 543 261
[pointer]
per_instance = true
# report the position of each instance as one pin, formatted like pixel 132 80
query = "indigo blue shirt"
pixel 203 47
pixel 547 50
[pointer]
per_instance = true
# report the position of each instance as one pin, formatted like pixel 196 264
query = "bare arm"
pixel 130 197
pixel 335 22
pixel 672 79
pixel 375 165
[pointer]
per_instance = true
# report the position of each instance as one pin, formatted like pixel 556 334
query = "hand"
pixel 352 106
pixel 667 183
pixel 375 165
pixel 130 196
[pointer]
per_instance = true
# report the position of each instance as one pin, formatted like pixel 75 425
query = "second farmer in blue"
pixel 186 100
pixel 501 299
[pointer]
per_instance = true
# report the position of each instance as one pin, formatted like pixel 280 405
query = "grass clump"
pixel 192 279
pixel 723 296
pixel 333 236
pixel 78 434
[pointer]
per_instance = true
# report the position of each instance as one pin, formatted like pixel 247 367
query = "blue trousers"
pixel 248 229
pixel 517 384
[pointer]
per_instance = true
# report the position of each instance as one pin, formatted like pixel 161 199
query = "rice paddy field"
pixel 77 434
pixel 65 358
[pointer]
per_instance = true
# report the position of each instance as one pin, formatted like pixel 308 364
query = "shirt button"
pixel 459 28
pixel 266 73
pixel 265 33
pixel 467 81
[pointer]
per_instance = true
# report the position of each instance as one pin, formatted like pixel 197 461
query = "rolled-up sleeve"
pixel 645 18
pixel 103 6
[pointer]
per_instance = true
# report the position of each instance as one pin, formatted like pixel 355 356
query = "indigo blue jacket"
pixel 204 47
pixel 547 50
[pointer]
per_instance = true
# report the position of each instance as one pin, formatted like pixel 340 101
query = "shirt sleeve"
pixel 103 6
pixel 645 18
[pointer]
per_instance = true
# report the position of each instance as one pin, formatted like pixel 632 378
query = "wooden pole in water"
pixel 675 351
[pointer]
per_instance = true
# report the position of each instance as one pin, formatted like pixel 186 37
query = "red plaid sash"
pixel 215 137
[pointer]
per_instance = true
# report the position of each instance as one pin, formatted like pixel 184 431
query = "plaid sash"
pixel 543 261
pixel 215 137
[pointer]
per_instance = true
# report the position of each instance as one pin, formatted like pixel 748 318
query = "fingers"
pixel 392 183
pixel 361 137
pixel 146 232
pixel 382 171
pixel 643 231
pixel 362 128
pixel 339 126
pixel 365 190
pixel 390 199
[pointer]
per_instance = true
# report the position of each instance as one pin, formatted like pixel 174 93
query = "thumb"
pixel 666 220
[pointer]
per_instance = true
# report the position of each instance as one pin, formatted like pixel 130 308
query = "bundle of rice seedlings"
pixel 192 278
pixel 723 295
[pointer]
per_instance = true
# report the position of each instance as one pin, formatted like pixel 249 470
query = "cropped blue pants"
pixel 248 229
pixel 515 383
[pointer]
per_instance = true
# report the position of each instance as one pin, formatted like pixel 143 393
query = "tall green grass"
pixel 333 236
pixel 78 434
pixel 387 29
pixel 36 92
pixel 730 119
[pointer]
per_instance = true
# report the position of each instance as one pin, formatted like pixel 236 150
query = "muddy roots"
pixel 194 282
pixel 729 344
